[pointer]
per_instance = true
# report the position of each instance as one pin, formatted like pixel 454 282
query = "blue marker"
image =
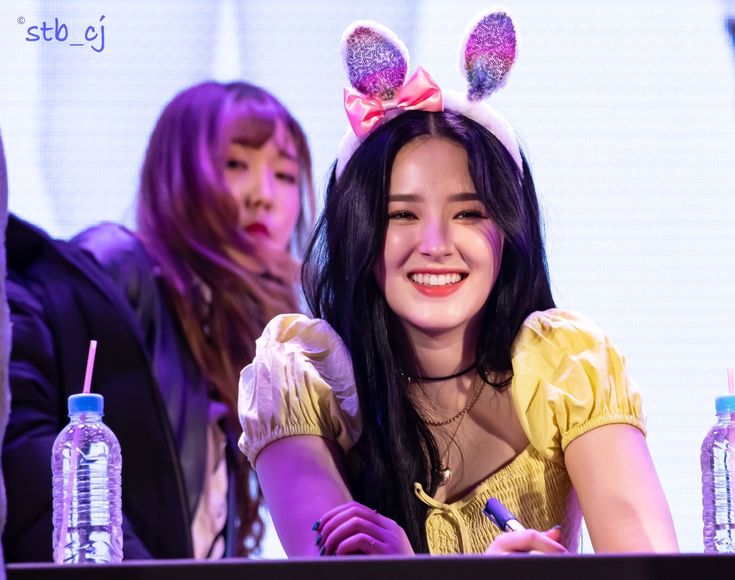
pixel 502 516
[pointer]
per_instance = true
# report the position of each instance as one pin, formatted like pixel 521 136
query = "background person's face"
pixel 441 253
pixel 265 182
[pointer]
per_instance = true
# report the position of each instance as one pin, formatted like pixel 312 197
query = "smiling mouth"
pixel 433 280
pixel 437 285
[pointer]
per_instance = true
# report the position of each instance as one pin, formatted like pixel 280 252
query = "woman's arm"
pixel 302 479
pixel 621 497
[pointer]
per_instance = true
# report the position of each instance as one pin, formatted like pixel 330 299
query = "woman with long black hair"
pixel 438 372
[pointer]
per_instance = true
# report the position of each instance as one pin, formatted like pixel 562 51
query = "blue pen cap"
pixel 725 404
pixel 498 513
pixel 86 403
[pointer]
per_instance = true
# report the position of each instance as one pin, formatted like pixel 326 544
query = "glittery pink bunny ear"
pixel 488 53
pixel 375 58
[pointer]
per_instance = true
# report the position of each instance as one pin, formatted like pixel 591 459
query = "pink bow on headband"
pixel 419 93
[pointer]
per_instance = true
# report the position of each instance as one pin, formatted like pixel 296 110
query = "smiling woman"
pixel 438 373
pixel 441 253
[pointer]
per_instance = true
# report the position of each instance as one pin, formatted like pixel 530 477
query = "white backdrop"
pixel 626 109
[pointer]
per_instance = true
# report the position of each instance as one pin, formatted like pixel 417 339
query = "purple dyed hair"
pixel 188 221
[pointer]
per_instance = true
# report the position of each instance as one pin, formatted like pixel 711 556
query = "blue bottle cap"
pixel 725 404
pixel 86 403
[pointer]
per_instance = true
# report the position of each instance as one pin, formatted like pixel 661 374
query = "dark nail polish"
pixel 316 525
pixel 324 549
pixel 319 540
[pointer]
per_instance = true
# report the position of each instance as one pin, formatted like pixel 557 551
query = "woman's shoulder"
pixel 123 257
pixel 300 382
pixel 111 245
pixel 299 329
pixel 313 337
pixel 553 329
pixel 569 378
pixel 311 340
pixel 560 320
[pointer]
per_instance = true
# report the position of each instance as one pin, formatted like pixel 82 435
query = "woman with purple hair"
pixel 225 202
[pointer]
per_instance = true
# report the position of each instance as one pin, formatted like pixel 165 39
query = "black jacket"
pixel 156 402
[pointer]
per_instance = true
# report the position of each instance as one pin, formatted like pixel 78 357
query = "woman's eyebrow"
pixel 286 154
pixel 464 197
pixel 282 152
pixel 412 197
pixel 404 197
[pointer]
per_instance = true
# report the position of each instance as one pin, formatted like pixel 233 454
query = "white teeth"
pixel 436 279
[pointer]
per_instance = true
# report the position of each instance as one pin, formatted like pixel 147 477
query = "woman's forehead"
pixel 257 131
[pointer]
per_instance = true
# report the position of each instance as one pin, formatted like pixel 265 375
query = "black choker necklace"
pixel 454 376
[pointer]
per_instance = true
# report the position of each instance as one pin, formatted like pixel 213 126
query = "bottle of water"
pixel 87 464
pixel 718 480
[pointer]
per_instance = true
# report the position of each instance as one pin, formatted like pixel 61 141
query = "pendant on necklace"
pixel 445 474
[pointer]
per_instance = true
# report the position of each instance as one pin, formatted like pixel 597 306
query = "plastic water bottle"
pixel 87 465
pixel 718 480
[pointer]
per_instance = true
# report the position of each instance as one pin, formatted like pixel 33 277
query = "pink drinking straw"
pixel 731 432
pixel 75 445
pixel 93 352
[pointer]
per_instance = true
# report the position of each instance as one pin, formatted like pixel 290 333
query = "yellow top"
pixel 567 379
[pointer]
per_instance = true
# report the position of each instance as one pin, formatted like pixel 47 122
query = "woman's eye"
pixel 286 177
pixel 401 215
pixel 470 214
pixel 236 164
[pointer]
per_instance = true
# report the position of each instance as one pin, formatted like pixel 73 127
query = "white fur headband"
pixel 377 62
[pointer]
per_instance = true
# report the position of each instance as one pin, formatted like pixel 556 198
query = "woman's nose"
pixel 261 193
pixel 436 239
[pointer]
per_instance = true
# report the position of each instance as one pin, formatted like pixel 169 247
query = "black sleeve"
pixel 35 420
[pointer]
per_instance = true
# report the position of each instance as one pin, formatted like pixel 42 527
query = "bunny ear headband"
pixel 377 62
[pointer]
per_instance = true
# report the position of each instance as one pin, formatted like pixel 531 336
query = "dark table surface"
pixel 587 567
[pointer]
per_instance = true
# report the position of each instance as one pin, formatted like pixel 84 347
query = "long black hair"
pixel 396 446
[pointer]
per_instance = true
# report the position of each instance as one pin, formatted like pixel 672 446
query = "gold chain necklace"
pixel 459 415
pixel 445 473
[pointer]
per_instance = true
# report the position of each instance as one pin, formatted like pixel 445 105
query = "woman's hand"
pixel 528 541
pixel 353 528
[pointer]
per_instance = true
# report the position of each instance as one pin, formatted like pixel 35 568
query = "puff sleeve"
pixel 567 380
pixel 299 383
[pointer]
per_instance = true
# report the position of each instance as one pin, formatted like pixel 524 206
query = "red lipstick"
pixel 437 291
pixel 256 229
